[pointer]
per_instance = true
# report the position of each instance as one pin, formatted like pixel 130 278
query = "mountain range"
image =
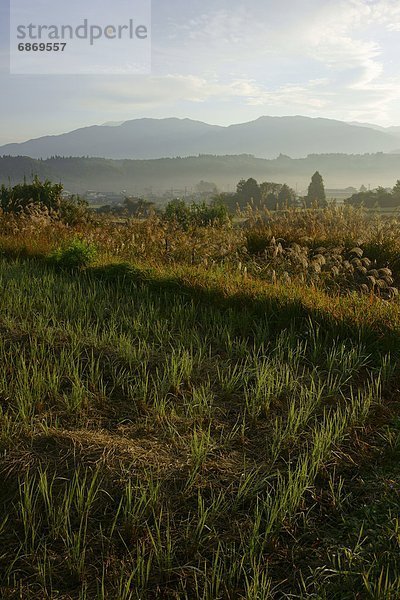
pixel 266 137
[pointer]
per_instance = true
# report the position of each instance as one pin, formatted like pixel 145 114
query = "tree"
pixel 396 190
pixel 178 211
pixel 138 207
pixel 274 195
pixel 269 187
pixel 269 194
pixel 372 198
pixel 271 201
pixel 382 196
pixel 248 190
pixel 228 199
pixel 206 187
pixel 316 192
pixel 286 196
pixel 205 214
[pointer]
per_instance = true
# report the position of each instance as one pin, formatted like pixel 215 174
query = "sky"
pixel 223 62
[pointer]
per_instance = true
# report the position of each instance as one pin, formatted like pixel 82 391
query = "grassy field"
pixel 174 424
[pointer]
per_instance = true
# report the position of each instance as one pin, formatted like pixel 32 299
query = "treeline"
pixel 268 194
pixel 46 198
pixel 136 176
pixel 184 213
pixel 274 196
pixel 379 197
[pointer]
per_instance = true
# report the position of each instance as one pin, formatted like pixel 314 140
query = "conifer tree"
pixel 316 192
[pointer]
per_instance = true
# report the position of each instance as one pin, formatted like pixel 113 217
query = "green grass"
pixel 179 433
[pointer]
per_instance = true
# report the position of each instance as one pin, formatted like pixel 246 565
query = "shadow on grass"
pixel 378 336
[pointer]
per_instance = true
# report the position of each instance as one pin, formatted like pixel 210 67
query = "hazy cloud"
pixel 224 62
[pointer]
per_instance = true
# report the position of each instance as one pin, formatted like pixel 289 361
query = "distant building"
pixel 103 197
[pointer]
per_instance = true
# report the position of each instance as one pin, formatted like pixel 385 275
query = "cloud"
pixel 306 55
pixel 386 13
pixel 157 91
pixel 227 62
pixel 283 44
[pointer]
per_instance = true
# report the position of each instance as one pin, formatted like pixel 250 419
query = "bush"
pixel 257 241
pixel 77 254
pixel 179 212
pixel 210 214
pixel 202 215
pixel 43 196
pixel 73 210
pixel 18 198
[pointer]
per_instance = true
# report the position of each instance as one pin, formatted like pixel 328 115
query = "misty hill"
pixel 265 137
pixel 393 129
pixel 137 176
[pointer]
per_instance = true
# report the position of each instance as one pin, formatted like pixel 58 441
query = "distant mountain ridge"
pixel 266 137
pixel 392 129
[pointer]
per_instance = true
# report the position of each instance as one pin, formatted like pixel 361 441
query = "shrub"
pixel 202 215
pixel 43 196
pixel 18 198
pixel 257 240
pixel 209 214
pixel 179 212
pixel 75 255
pixel 73 210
